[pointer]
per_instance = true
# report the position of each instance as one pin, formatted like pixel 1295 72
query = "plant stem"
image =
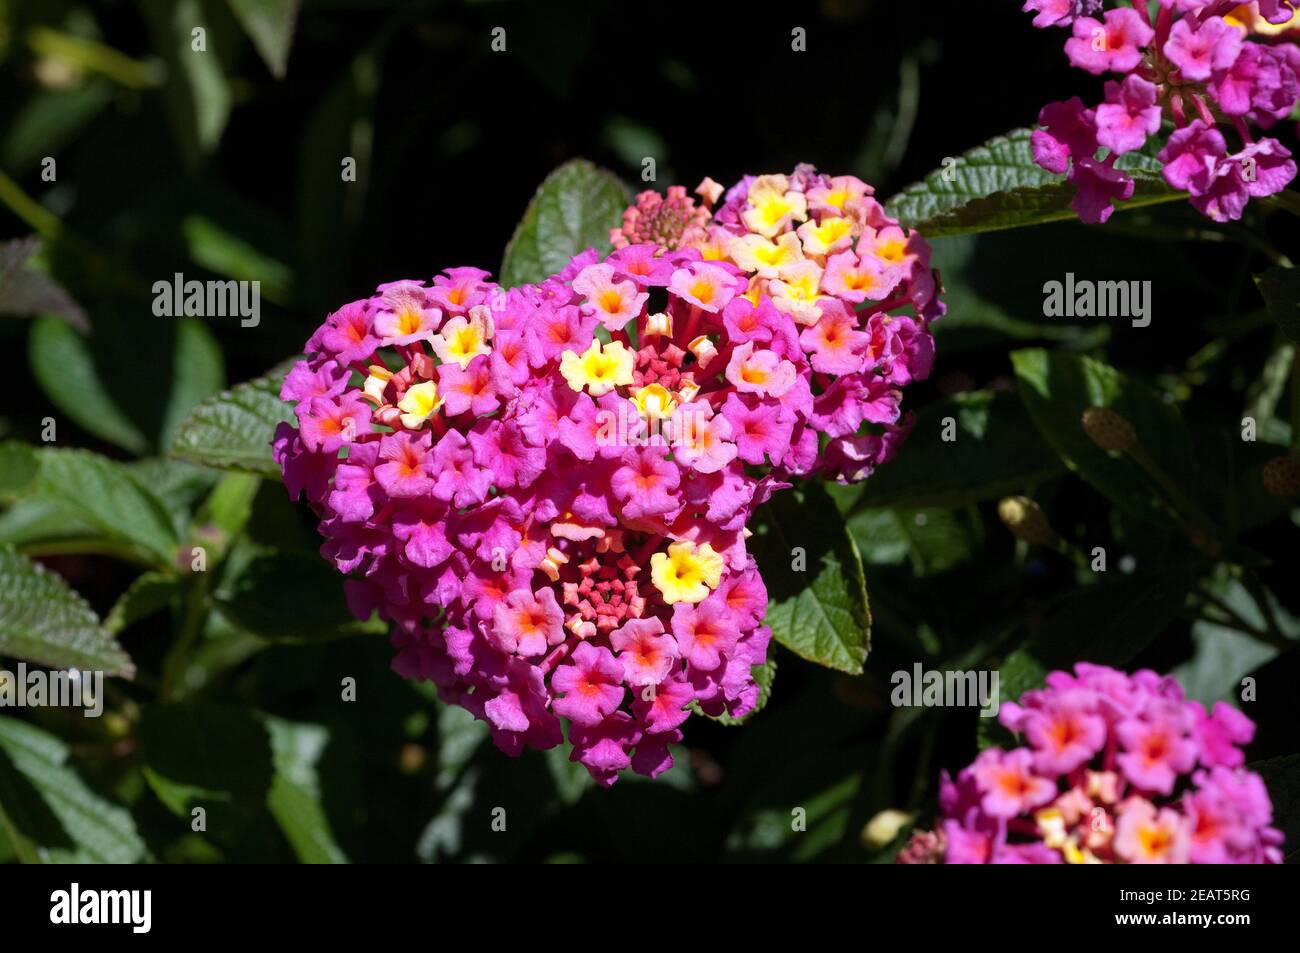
pixel 23 849
pixel 1184 505
pixel 44 223
pixel 1295 399
pixel 1274 635
pixel 1235 619
pixel 1287 200
pixel 194 614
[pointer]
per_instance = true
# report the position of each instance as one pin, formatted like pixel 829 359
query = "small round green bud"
pixel 1282 477
pixel 1109 430
pixel 1026 520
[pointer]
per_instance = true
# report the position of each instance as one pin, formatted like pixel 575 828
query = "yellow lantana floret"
pixel 686 573
pixel 461 340
pixel 419 403
pixel 769 258
pixel 654 402
pixel 598 369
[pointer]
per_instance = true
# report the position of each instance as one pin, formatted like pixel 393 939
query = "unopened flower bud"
pixel 1282 477
pixel 660 324
pixel 884 827
pixel 1109 430
pixel 1025 519
pixel 709 190
pixel 376 382
pixel 555 558
pixel 704 350
pixel 411 758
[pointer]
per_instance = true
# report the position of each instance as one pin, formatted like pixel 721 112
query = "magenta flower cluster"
pixel 1203 66
pixel 1116 768
pixel 545 490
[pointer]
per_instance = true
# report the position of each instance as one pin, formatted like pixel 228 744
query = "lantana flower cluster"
pixel 1116 768
pixel 545 489
pixel 1194 71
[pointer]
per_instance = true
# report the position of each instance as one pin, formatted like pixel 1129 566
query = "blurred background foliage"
pixel 228 165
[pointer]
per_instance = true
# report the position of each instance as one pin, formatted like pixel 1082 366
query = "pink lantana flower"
pixel 646 653
pixel 1122 761
pixel 1200 49
pixel 1157 748
pixel 759 372
pixel 1128 115
pixel 1115 44
pixel 614 303
pixel 406 313
pixel 528 623
pixel 1145 835
pixel 1008 783
pixel 591 687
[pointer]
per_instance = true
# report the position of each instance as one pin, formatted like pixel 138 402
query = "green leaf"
pixel 1108 624
pixel 1281 290
pixel 573 210
pixel 1000 308
pixel 52 809
pixel 1222 655
pixel 295 796
pixel 43 620
pixel 63 365
pixel 460 737
pixel 293 596
pixel 26 291
pixel 1221 658
pixel 107 496
pixel 197 92
pixel 217 757
pixel 1057 387
pixel 818 612
pixel 763 828
pixel 199 371
pixel 991 450
pixel 49 120
pixel 880 537
pixel 327 209
pixel 935 539
pixel 150 592
pixel 18 467
pixel 998 185
pixel 227 511
pixel 36 521
pixel 269 24
pixel 233 430
pixel 219 250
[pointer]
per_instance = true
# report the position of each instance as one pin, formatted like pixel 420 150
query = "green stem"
pixel 22 846
pixel 193 615
pixel 1295 399
pixel 44 223
pixel 1183 504
pixel 1232 618
pixel 1287 200
pixel 24 850
pixel 87 547
pixel 89 55
pixel 1274 635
